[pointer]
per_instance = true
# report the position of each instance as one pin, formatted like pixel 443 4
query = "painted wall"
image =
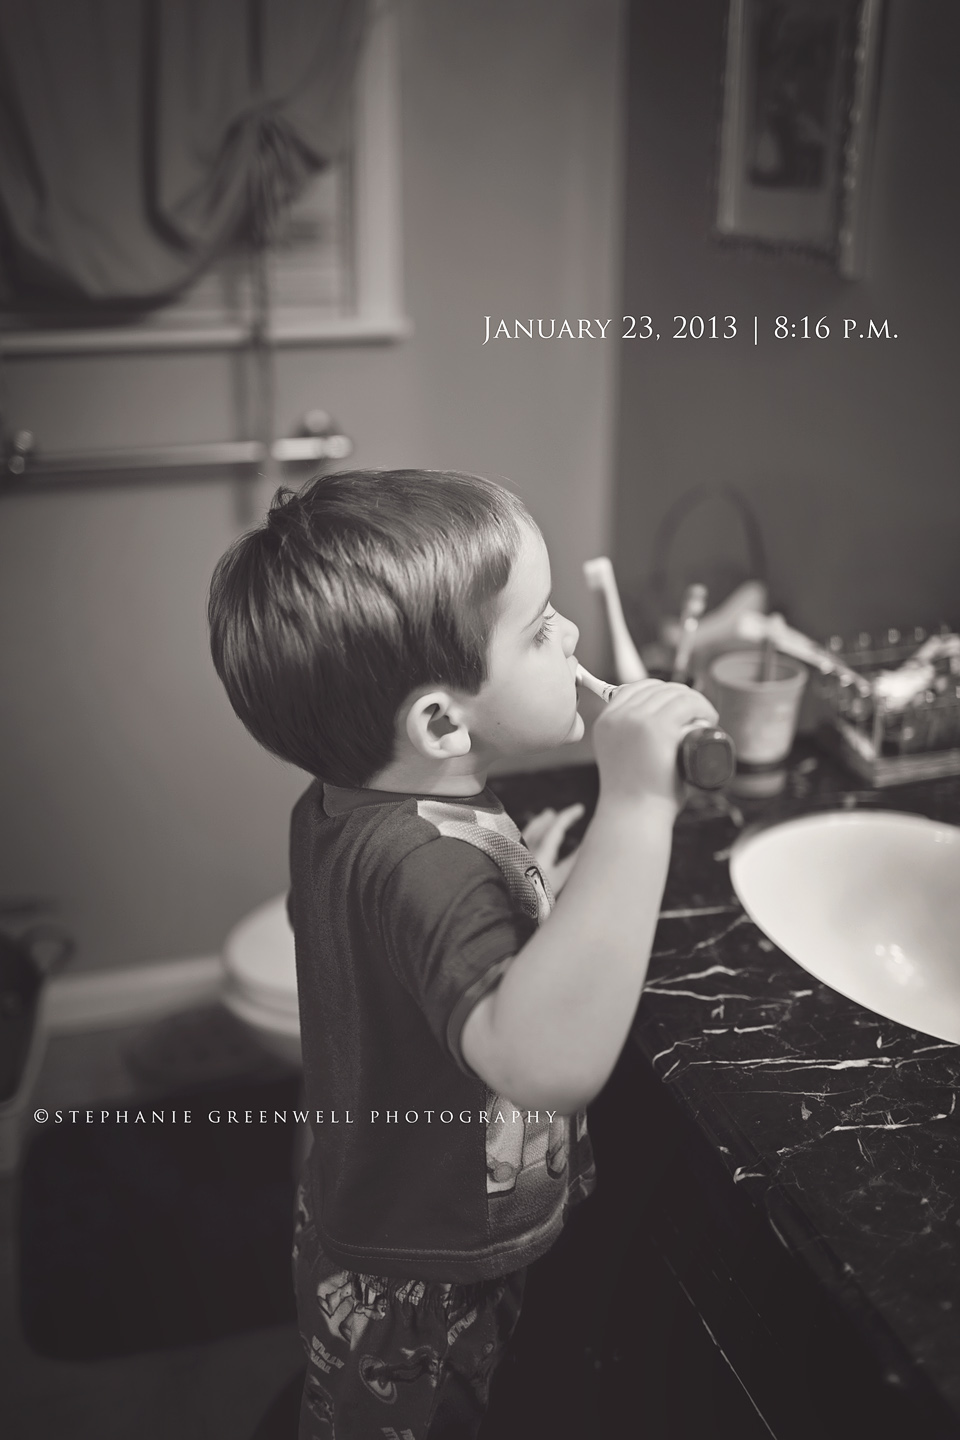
pixel 131 795
pixel 847 451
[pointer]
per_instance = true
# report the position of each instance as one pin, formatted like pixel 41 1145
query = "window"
pixel 334 270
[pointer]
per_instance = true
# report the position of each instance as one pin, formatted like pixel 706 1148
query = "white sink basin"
pixel 869 903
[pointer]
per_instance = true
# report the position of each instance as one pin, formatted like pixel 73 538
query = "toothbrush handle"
pixel 705 756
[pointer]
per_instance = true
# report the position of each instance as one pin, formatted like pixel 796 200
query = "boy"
pixel 392 634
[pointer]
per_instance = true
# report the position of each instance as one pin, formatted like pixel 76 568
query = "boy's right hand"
pixel 636 739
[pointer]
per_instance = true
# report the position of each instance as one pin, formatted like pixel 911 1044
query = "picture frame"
pixel 800 93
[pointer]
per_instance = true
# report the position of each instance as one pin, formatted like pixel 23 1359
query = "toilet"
pixel 260 979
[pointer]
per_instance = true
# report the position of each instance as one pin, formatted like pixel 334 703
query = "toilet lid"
pixel 259 959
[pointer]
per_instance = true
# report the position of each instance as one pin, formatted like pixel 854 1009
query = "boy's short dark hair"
pixel 357 590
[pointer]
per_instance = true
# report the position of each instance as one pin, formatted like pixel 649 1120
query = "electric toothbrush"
pixel 705 756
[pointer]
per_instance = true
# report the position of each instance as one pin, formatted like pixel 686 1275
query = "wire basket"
pixel 883 744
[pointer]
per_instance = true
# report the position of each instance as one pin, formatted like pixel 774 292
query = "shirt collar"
pixel 338 799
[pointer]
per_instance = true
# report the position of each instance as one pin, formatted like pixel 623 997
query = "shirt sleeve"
pixel 450 931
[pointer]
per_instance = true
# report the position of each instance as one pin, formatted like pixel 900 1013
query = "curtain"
pixel 138 138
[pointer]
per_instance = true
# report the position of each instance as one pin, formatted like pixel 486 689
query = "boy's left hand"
pixel 544 836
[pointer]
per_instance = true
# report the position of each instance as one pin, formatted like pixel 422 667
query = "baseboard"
pixel 103 999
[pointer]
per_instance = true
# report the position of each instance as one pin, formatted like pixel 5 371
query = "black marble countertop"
pixel 839 1127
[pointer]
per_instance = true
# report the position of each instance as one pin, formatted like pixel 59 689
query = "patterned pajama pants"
pixel 392 1359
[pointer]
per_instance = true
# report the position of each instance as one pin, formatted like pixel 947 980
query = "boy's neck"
pixel 464 775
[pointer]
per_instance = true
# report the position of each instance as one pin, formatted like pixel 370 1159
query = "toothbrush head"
pixel 694 602
pixel 598 572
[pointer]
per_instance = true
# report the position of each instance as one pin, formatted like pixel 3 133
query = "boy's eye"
pixel 546 625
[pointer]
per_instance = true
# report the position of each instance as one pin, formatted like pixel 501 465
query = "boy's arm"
pixel 549 1034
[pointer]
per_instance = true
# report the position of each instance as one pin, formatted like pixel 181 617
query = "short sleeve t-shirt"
pixel 407 910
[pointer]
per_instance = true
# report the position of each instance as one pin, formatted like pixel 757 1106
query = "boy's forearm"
pixel 551 1032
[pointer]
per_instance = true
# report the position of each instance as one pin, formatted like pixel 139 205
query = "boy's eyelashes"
pixel 546 625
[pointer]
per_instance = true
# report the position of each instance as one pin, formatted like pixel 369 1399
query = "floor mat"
pixel 140 1237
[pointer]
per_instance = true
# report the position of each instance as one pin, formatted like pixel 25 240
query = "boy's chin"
pixel 576 730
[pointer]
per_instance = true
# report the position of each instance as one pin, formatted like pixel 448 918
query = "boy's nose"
pixel 571 635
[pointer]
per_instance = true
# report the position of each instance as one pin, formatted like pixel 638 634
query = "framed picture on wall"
pixel 799 106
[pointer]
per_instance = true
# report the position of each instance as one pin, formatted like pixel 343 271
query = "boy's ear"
pixel 436 726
